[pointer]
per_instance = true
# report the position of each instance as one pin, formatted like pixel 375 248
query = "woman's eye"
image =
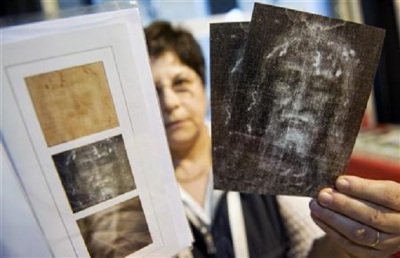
pixel 180 82
pixel 181 85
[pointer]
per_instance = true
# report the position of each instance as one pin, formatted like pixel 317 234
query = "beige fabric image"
pixel 117 231
pixel 73 102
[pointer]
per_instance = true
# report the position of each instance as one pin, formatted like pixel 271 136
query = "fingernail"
pixel 325 198
pixel 342 183
pixel 315 208
pixel 313 205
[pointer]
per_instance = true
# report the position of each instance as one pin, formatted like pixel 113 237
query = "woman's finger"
pixel 383 193
pixel 356 249
pixel 365 212
pixel 354 231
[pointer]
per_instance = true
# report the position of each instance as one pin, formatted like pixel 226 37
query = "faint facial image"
pixel 306 92
pixel 296 104
pixel 117 231
pixel 94 173
pixel 286 110
pixel 308 82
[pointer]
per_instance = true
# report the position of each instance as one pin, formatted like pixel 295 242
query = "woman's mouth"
pixel 173 125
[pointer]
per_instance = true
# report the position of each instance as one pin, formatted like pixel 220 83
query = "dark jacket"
pixel 266 235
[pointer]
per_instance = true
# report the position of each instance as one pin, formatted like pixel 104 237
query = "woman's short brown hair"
pixel 161 37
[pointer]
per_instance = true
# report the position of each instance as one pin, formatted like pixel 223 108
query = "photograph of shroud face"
pixel 288 92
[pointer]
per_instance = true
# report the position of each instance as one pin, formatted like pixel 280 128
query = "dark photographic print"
pixel 117 231
pixel 73 102
pixel 95 173
pixel 291 102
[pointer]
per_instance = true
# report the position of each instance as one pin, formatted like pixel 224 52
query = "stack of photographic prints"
pixel 288 92
pixel 85 136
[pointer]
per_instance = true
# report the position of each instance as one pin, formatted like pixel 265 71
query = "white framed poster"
pixel 82 127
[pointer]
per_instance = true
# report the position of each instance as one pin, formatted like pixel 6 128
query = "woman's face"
pixel 182 100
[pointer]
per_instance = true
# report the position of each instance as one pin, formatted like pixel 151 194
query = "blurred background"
pixel 377 150
pixel 196 15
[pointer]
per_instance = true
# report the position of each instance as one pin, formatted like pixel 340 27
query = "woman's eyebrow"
pixel 181 74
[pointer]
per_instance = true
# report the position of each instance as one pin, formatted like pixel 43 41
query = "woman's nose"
pixel 169 100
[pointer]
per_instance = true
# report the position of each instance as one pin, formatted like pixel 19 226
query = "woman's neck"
pixel 192 166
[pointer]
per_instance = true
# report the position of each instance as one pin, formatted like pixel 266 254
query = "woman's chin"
pixel 180 142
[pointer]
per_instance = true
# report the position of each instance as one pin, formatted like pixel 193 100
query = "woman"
pixel 258 228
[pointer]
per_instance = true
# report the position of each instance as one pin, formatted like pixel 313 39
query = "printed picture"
pixel 72 103
pixel 85 138
pixel 290 88
pixel 95 173
pixel 117 231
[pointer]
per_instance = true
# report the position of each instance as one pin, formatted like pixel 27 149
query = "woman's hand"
pixel 362 215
